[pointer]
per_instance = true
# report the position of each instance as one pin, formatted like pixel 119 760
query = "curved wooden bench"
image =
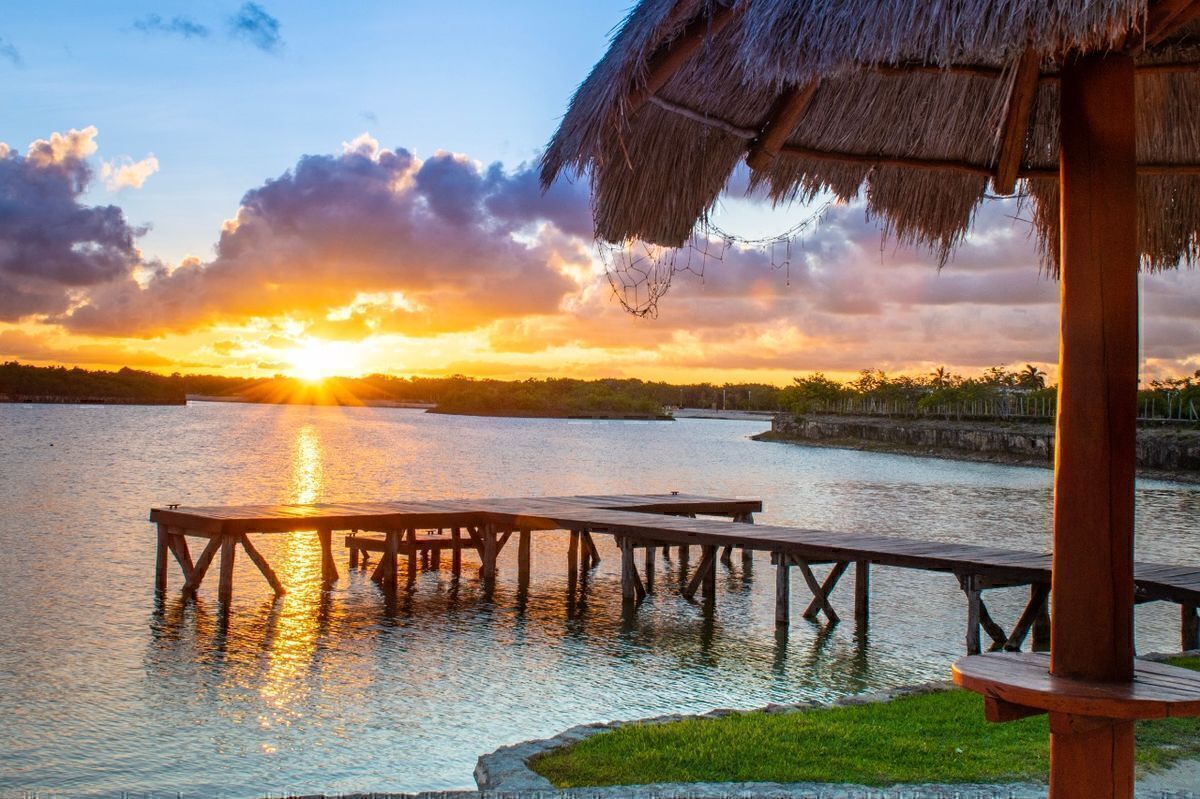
pixel 1016 684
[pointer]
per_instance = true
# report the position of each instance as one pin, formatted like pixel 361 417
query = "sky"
pixel 251 188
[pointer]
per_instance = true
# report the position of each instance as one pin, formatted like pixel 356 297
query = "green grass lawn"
pixel 940 737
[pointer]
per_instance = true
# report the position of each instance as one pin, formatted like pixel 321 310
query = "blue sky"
pixel 221 115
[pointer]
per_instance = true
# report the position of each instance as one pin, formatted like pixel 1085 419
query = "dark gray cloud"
pixel 51 244
pixel 367 222
pixel 10 53
pixel 177 25
pixel 255 25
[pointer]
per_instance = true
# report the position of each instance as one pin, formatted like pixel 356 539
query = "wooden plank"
pixel 265 568
pixel 1015 127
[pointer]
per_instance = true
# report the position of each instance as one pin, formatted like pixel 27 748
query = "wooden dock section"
pixel 639 524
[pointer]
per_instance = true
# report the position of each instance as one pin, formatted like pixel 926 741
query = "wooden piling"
pixel 628 592
pixel 708 588
pixel 353 553
pixel 201 566
pixel 974 604
pixel 160 561
pixel 329 572
pixel 783 589
pixel 523 547
pixel 573 556
pixel 225 585
pixel 456 551
pixel 649 570
pixel 410 536
pixel 862 590
pixel 1189 628
pixel 488 570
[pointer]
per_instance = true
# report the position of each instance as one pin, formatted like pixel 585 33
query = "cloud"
pixel 52 246
pixel 371 240
pixel 175 26
pixel 125 173
pixel 10 53
pixel 255 25
pixel 28 347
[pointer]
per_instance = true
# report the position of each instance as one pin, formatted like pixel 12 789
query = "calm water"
pixel 344 691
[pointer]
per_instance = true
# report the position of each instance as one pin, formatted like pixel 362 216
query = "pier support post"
pixel 488 570
pixel 456 551
pixel 523 547
pixel 391 556
pixel 649 570
pixel 862 590
pixel 783 589
pixel 225 585
pixel 589 545
pixel 353 552
pixel 573 556
pixel 974 606
pixel 201 567
pixel 1190 627
pixel 631 584
pixel 413 564
pixel 708 589
pixel 160 560
pixel 329 572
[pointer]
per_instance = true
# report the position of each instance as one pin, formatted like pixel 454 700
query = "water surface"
pixel 102 692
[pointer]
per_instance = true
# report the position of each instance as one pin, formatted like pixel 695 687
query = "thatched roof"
pixel 922 108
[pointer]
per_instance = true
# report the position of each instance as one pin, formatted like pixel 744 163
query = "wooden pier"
pixel 421 531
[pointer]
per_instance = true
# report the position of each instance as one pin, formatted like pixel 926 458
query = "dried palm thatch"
pixel 916 106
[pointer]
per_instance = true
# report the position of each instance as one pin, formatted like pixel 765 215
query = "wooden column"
pixel 649 570
pixel 573 557
pixel 862 590
pixel 391 554
pixel 353 554
pixel 410 537
pixel 523 547
pixel 1189 628
pixel 225 583
pixel 258 560
pixel 974 606
pixel 783 588
pixel 709 587
pixel 488 570
pixel 456 551
pixel 628 591
pixel 160 560
pixel 329 572
pixel 1093 590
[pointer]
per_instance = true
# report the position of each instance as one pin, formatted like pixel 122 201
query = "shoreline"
pixel 950 454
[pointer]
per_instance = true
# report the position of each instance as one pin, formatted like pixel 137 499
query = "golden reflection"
pixel 303 613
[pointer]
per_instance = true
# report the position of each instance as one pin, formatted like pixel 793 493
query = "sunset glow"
pixel 315 360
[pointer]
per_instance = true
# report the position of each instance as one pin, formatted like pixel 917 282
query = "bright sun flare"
pixel 316 360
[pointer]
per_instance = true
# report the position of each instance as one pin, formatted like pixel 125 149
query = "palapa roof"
pixel 921 107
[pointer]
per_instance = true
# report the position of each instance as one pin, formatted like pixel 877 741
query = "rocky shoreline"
pixel 1163 453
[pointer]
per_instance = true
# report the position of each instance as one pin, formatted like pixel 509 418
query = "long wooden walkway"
pixel 640 524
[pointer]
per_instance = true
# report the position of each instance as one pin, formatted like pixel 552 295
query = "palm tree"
pixel 940 378
pixel 1031 378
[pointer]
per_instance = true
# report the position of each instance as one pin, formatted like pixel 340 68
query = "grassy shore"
pixel 940 737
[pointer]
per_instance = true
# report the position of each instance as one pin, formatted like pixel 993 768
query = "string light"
pixel 640 273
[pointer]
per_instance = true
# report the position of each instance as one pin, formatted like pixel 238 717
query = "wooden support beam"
pixel 353 553
pixel 994 630
pixel 225 584
pixel 726 554
pixel 708 588
pixel 1041 629
pixel 201 567
pixel 1164 19
pixel 456 551
pixel 628 571
pixel 1095 441
pixel 973 644
pixel 573 556
pixel 179 548
pixel 703 569
pixel 160 560
pixel 258 560
pixel 1015 127
pixel 593 552
pixel 998 711
pixel 523 547
pixel 1039 593
pixel 391 557
pixel 817 591
pixel 488 570
pixel 410 537
pixel 783 589
pixel 862 590
pixel 789 109
pixel 1189 628
pixel 830 582
pixel 668 59
pixel 649 568
pixel 329 572
pixel 503 540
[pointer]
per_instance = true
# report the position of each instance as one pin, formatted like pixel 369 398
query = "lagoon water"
pixel 102 692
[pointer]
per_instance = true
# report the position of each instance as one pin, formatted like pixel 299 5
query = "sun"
pixel 315 360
